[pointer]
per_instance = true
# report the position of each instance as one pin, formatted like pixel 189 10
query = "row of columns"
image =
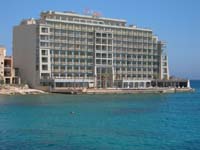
pixel 133 84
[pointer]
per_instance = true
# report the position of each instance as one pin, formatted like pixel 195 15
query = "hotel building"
pixel 66 49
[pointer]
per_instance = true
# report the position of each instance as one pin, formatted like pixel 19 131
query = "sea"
pixel 101 122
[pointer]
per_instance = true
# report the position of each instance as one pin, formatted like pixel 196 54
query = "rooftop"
pixel 95 18
pixel 89 15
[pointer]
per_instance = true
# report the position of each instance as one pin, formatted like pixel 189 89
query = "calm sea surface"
pixel 101 122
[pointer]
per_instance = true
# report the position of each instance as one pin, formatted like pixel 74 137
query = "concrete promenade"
pixel 120 91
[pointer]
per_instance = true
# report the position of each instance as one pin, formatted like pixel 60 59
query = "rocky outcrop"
pixel 18 90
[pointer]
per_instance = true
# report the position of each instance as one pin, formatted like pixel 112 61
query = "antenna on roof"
pixel 92 13
pixel 96 14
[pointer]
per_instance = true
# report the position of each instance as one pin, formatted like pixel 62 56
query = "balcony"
pixel 7 74
pixel 7 66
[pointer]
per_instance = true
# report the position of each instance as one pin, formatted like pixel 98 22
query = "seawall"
pixel 120 91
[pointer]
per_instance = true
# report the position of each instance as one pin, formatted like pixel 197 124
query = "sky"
pixel 177 22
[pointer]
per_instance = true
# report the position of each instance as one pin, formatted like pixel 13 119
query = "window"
pixel 103 61
pixel 44 67
pixel 98 61
pixel 43 44
pixel 110 42
pixel 109 55
pixel 44 59
pixel 98 41
pixel 44 37
pixel 104 55
pixel 104 48
pixel 104 35
pixel 109 48
pixel 104 41
pixel 45 75
pixel 44 52
pixel 98 34
pixel 98 47
pixel 44 30
pixel 69 67
pixel 98 55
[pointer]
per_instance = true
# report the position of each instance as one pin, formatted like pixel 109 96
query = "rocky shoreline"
pixel 19 90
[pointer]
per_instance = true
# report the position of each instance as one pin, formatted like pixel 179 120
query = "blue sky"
pixel 177 22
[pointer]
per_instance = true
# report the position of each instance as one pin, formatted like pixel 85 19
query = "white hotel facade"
pixel 65 49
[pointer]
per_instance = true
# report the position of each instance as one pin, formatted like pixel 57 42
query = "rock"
pixel 26 86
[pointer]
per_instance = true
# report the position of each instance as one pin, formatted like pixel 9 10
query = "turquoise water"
pixel 101 122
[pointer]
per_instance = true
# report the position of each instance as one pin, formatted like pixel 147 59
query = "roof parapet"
pixel 72 13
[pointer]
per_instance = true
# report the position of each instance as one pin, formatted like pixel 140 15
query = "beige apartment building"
pixel 8 75
pixel 2 56
pixel 66 49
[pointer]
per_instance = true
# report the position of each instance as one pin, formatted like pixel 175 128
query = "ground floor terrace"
pixel 177 83
pixel 121 84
